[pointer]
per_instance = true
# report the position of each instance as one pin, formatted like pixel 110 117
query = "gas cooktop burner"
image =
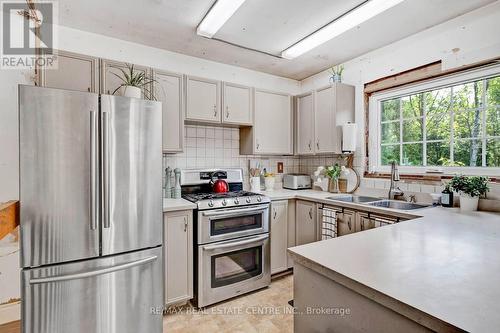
pixel 195 197
pixel 224 200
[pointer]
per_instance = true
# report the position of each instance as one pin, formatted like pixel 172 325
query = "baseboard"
pixel 10 312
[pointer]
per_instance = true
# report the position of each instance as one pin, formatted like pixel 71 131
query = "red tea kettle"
pixel 219 185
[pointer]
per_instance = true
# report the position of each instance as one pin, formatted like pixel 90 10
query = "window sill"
pixel 419 177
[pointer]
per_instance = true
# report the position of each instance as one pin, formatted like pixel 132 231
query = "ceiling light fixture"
pixel 348 21
pixel 220 12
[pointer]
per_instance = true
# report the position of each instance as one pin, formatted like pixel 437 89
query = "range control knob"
pixel 236 201
pixel 248 200
pixel 210 203
pixel 224 202
pixel 259 199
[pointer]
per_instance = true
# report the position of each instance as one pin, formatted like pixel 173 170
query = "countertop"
pixel 444 263
pixel 172 205
pixel 321 197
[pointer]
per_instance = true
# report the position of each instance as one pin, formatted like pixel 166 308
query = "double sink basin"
pixel 371 201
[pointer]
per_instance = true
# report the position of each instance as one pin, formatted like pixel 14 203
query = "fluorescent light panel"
pixel 348 21
pixel 217 16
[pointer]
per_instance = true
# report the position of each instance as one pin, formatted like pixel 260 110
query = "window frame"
pixel 375 124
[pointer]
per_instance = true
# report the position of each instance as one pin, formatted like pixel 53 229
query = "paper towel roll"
pixel 349 135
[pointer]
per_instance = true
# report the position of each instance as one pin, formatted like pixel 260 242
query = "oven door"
pixel 222 224
pixel 230 268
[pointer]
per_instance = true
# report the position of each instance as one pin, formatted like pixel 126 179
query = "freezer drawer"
pixel 103 295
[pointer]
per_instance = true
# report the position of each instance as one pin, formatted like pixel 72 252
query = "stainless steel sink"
pixel 402 205
pixel 354 199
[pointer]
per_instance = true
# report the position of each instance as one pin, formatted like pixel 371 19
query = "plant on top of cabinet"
pixel 272 131
pixel 110 81
pixel 132 82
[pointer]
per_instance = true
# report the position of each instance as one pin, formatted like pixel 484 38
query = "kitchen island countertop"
pixel 443 265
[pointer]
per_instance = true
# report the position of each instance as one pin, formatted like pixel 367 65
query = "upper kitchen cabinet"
pixel 110 81
pixel 334 107
pixel 305 124
pixel 203 100
pixel 168 89
pixel 272 132
pixel 74 72
pixel 236 104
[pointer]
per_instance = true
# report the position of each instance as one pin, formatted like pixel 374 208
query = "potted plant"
pixel 470 189
pixel 334 172
pixel 133 82
pixel 336 73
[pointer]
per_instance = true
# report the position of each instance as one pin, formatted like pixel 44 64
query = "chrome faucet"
pixel 394 190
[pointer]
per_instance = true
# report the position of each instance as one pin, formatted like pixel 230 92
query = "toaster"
pixel 295 181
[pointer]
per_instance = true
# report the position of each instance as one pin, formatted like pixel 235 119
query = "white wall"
pixel 467 39
pixel 111 48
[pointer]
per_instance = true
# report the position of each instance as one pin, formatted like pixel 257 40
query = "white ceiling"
pixel 269 26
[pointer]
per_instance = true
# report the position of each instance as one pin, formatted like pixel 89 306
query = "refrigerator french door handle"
pixel 93 171
pixel 105 168
pixel 93 273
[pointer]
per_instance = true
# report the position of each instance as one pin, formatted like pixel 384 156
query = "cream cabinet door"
pixel 306 230
pixel 236 104
pixel 324 121
pixel 203 100
pixel 273 123
pixel 279 236
pixel 178 256
pixel 168 90
pixel 74 72
pixel 109 80
pixel 305 124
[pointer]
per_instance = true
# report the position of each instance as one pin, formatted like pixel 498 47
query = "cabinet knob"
pixel 185 224
pixel 317 144
pixel 310 145
pixel 227 111
pixel 215 110
pixel 275 213
pixel 349 223
pixel 310 213
pixel 258 145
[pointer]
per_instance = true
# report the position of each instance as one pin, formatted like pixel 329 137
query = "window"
pixel 451 123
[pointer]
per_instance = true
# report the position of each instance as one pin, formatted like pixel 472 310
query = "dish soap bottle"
pixel 447 197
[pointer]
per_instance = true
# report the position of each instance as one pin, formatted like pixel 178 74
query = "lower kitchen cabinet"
pixel 178 256
pixel 279 236
pixel 306 229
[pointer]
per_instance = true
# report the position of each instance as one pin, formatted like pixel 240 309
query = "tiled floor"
pixel 266 310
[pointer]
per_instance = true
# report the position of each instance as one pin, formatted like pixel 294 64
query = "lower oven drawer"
pixel 230 268
pixel 222 224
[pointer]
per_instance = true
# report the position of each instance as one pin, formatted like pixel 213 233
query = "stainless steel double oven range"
pixel 231 236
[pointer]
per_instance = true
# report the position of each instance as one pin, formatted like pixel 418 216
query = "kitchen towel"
pixel 329 224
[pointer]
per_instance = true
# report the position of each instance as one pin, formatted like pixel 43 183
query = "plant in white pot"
pixel 470 189
pixel 133 83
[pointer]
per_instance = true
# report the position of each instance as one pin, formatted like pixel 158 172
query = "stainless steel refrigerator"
pixel 91 212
